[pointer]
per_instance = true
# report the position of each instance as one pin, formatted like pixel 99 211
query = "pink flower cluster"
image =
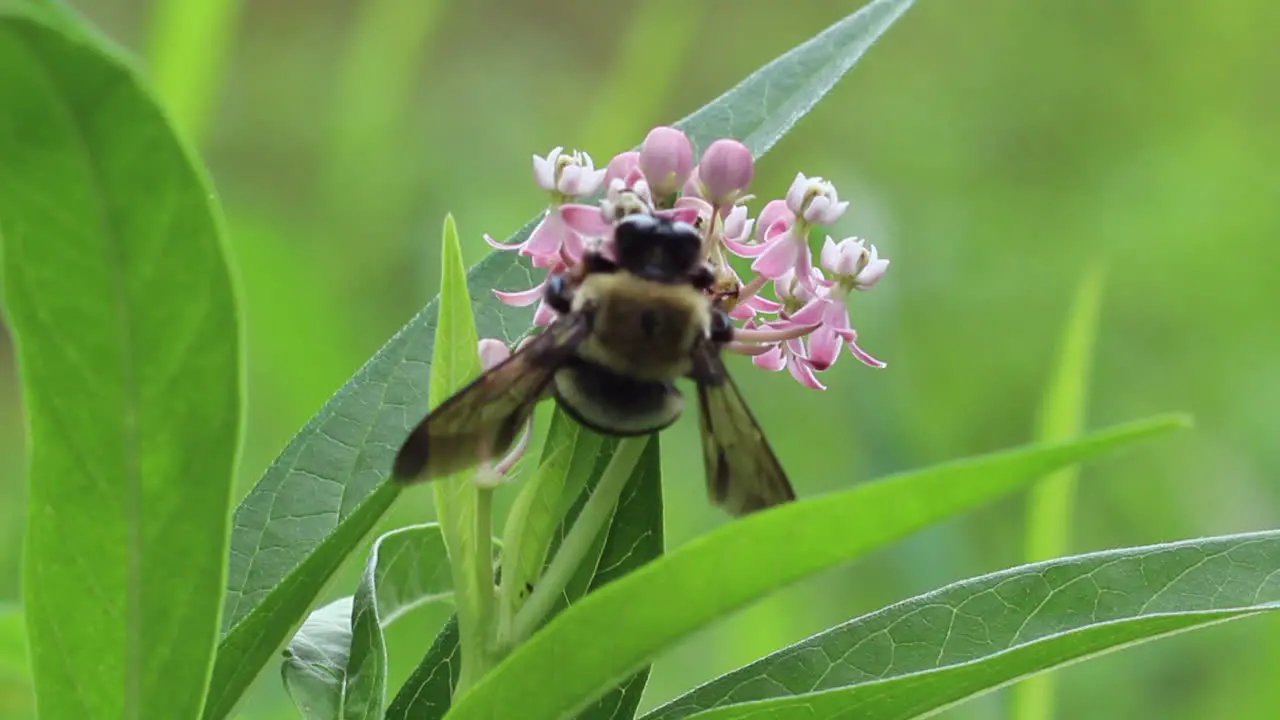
pixel 803 328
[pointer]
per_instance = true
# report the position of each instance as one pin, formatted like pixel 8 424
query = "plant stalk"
pixel 594 517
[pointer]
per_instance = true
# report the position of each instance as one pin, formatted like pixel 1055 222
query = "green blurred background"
pixel 991 148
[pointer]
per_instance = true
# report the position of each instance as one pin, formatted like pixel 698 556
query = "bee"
pixel 626 330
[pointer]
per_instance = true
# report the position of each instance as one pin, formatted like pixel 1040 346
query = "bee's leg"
pixel 703 277
pixel 721 327
pixel 558 293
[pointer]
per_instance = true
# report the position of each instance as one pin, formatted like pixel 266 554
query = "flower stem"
pixel 594 517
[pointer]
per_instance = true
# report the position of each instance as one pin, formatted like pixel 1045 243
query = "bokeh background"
pixel 992 149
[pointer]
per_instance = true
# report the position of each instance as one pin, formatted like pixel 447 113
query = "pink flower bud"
pixel 725 171
pixel 493 352
pixel 666 158
pixel 621 166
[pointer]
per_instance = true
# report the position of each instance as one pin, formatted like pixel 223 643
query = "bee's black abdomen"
pixel 614 404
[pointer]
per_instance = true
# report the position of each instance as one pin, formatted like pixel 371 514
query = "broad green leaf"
pixel 336 665
pixel 634 538
pixel 315 666
pixel 128 343
pixel 911 659
pixel 326 489
pixel 566 666
pixel 1051 502
pixel 425 695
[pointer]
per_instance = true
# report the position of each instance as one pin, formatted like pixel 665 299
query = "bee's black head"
pixel 657 248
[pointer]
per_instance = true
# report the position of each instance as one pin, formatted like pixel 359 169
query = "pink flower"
pixel 725 171
pixel 567 175
pixel 775 219
pixel 787 252
pixel 835 331
pixel 852 264
pixel 694 210
pixel 815 200
pixel 737 226
pixel 666 159
pixel 552 241
pixel 524 298
pixel 790 355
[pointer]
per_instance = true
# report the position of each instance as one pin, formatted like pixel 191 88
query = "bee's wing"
pixel 743 474
pixel 481 420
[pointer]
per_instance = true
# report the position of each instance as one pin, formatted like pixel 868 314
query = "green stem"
pixel 591 521
pixel 482 574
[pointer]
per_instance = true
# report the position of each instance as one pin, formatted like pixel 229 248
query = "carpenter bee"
pixel 627 329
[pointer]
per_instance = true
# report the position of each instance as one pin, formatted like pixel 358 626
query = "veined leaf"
pixel 911 659
pixel 336 665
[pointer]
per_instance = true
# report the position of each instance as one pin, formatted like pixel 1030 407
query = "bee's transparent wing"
pixel 743 474
pixel 482 420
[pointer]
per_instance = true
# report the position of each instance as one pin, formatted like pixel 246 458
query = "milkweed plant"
pixel 148 593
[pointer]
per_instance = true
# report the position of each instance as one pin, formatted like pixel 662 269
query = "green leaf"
pixel 1051 502
pixel 128 343
pixel 566 666
pixel 329 675
pixel 634 538
pixel 911 659
pixel 464 509
pixel 326 489
pixel 427 692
